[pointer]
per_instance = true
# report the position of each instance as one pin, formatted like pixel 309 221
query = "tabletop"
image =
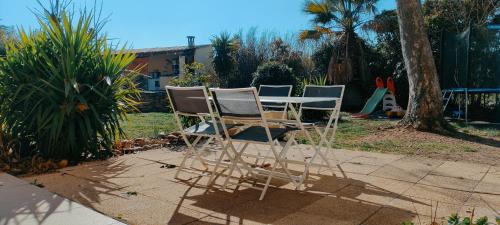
pixel 297 100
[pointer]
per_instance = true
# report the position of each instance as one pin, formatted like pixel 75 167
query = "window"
pixel 157 83
pixel 154 75
pixel 175 67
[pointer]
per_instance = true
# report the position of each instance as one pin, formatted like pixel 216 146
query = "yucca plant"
pixel 64 87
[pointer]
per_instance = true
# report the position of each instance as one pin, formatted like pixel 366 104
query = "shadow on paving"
pixel 320 202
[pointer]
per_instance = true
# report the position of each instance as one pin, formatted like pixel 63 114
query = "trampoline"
pixel 470 68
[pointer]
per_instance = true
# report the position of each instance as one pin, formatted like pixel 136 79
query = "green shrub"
pixel 274 73
pixel 195 74
pixel 64 89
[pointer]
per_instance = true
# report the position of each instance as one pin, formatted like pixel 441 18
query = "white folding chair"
pixel 334 91
pixel 194 102
pixel 243 105
pixel 275 91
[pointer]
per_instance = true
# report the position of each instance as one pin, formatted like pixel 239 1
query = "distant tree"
pixel 224 61
pixel 339 18
pixel 425 105
pixel 274 73
pixel 5 33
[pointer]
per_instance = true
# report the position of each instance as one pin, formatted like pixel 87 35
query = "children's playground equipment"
pixel 384 95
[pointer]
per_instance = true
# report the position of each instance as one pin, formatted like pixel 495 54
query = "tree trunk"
pixel 425 104
pixel 331 67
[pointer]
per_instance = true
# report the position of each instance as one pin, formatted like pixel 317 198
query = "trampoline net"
pixel 470 59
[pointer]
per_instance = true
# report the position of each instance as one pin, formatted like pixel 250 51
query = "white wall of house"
pixel 203 54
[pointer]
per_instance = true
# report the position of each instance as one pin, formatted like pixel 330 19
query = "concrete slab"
pixel 490 183
pixel 461 170
pixel 454 183
pixel 358 168
pixel 342 210
pixel 28 204
pixel 410 169
pixel 443 195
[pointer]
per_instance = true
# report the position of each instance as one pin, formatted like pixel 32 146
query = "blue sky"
pixel 158 23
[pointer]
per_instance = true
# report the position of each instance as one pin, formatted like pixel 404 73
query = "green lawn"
pixel 148 125
pixel 363 135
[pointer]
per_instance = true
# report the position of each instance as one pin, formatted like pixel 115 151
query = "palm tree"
pixel 338 19
pixel 224 48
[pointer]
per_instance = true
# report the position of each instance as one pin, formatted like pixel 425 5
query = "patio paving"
pixel 23 203
pixel 366 188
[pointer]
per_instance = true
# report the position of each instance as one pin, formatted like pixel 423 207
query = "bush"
pixel 195 74
pixel 63 88
pixel 274 73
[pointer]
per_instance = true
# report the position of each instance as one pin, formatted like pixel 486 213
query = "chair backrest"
pixel 189 100
pixel 275 91
pixel 334 91
pixel 240 103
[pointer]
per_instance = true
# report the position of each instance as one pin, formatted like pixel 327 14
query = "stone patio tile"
pixel 425 207
pixel 342 210
pixel 410 169
pixel 368 194
pixel 158 154
pixel 255 212
pixel 322 184
pixel 140 209
pixel 383 185
pixel 28 204
pixel 358 168
pixel 300 218
pixel 7 180
pixel 290 199
pixel 472 171
pixel 483 205
pixel 343 155
pixel 376 159
pixel 443 195
pixel 77 189
pixel 491 182
pixel 454 183
pixel 226 220
pixel 395 216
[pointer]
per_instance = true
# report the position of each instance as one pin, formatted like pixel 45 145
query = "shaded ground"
pixel 469 143
pixel 366 188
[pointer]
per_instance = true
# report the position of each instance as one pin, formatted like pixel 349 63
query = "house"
pixel 160 65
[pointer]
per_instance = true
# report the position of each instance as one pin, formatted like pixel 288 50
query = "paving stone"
pixel 7 180
pixel 342 210
pixel 462 184
pixel 28 204
pixel 425 207
pixel 461 170
pixel 77 189
pixel 300 218
pixel 396 216
pixel 490 183
pixel 383 185
pixel 443 195
pixel 410 169
pixel 483 205
pixel 368 194
pixel 358 168
pixel 375 159
pixel 258 212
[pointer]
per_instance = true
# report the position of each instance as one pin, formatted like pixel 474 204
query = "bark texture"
pixel 425 105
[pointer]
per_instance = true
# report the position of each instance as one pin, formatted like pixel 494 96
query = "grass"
pixel 148 125
pixel 362 135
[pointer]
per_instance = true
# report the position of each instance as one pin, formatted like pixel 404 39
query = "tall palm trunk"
pixel 425 105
